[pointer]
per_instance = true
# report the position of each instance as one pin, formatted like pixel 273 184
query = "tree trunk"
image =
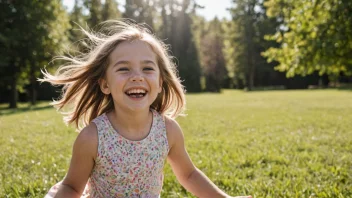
pixel 249 70
pixel 14 95
pixel 165 32
pixel 250 51
pixel 251 75
pixel 33 90
pixel 174 37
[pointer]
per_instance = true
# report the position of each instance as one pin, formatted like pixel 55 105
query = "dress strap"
pixel 161 128
pixel 100 122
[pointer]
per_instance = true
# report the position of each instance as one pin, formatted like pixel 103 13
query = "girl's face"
pixel 133 76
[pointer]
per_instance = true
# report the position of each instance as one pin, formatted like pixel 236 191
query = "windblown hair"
pixel 81 74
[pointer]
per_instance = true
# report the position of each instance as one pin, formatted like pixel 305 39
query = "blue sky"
pixel 212 8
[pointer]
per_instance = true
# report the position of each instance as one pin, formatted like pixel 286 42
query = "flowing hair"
pixel 81 74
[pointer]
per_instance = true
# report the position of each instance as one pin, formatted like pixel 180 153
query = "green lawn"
pixel 266 143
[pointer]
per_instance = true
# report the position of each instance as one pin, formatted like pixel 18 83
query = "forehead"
pixel 132 50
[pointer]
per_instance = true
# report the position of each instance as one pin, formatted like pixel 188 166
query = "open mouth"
pixel 136 93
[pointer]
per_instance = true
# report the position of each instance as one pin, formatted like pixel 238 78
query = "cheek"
pixel 116 83
pixel 118 78
pixel 157 81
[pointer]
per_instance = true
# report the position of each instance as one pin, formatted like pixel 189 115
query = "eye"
pixel 122 69
pixel 148 68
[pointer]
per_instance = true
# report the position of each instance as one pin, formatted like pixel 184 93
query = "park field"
pixel 264 144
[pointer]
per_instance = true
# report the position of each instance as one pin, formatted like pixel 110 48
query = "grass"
pixel 267 144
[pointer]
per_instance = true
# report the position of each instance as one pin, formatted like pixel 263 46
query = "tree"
pixel 110 10
pixel 26 51
pixel 141 11
pixel 244 42
pixel 95 10
pixel 315 36
pixel 212 57
pixel 233 53
pixel 244 19
pixel 178 32
pixel 76 17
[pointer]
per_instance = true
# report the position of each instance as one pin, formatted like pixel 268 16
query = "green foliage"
pixel 110 10
pixel 79 17
pixel 76 18
pixel 32 31
pixel 212 57
pixel 244 42
pixel 267 144
pixel 314 36
pixel 229 51
pixel 95 10
pixel 177 20
pixel 142 11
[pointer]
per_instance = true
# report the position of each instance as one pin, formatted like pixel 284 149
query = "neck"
pixel 131 124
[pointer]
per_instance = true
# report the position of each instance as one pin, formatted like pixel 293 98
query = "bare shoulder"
pixel 88 139
pixel 88 133
pixel 173 131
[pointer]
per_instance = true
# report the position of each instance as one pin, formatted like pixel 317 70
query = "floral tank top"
pixel 125 168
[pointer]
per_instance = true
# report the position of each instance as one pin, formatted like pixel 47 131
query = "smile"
pixel 136 93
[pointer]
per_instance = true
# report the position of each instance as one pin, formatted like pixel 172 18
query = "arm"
pixel 82 162
pixel 190 177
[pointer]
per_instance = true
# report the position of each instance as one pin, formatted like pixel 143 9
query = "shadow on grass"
pixel 345 88
pixel 8 111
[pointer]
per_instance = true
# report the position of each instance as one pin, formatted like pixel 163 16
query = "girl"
pixel 125 93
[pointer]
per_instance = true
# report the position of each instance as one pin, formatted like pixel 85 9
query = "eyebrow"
pixel 127 62
pixel 148 61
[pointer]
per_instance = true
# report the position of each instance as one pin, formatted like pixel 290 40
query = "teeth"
pixel 132 91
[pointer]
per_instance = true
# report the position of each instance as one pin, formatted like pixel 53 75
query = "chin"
pixel 139 108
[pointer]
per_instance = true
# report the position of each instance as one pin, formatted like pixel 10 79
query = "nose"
pixel 137 77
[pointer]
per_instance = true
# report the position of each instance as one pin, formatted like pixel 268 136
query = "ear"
pixel 160 85
pixel 104 87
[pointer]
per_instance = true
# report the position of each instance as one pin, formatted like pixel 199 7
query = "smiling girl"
pixel 126 95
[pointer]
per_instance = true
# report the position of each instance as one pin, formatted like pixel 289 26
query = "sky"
pixel 211 9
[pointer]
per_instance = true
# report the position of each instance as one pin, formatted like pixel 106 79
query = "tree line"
pixel 278 43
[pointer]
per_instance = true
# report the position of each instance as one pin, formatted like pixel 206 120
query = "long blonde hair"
pixel 81 74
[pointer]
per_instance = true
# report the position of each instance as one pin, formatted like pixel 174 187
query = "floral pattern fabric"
pixel 125 168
